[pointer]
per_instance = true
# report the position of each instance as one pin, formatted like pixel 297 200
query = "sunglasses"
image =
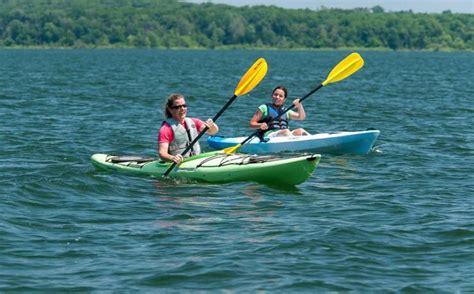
pixel 179 106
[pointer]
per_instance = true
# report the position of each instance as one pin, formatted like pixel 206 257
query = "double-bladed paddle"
pixel 250 80
pixel 343 69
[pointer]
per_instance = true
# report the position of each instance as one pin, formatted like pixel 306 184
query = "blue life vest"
pixel 272 112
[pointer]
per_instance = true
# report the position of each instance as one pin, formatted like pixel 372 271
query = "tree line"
pixel 177 24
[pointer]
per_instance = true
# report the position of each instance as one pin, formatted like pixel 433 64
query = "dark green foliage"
pixel 169 23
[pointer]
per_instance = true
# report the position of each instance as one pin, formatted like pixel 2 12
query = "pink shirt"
pixel 166 134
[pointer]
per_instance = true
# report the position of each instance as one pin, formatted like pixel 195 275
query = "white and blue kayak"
pixel 360 142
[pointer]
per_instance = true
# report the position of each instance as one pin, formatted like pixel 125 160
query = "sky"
pixel 428 6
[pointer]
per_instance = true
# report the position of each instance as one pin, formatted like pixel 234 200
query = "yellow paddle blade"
pixel 252 77
pixel 345 68
pixel 230 150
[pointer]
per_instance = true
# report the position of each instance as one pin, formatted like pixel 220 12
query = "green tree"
pixel 173 23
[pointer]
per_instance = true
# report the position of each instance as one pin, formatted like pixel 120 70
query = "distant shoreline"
pixel 228 48
pixel 173 24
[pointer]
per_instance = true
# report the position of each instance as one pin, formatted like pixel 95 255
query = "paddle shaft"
pixel 201 133
pixel 282 113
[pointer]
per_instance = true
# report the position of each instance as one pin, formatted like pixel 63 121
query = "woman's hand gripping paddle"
pixel 344 69
pixel 250 80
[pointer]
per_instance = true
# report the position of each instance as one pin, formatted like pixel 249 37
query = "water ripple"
pixel 396 220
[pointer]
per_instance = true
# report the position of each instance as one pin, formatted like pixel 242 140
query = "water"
pixel 399 219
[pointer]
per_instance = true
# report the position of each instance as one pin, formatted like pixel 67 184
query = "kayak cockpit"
pixel 129 160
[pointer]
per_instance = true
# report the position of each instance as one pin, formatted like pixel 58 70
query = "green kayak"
pixel 218 167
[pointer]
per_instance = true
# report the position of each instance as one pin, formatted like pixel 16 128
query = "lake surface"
pixel 399 219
